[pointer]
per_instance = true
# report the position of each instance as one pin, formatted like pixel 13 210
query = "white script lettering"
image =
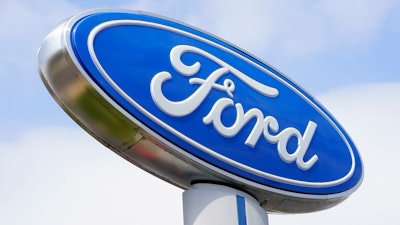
pixel 263 125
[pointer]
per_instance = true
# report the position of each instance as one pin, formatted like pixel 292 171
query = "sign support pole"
pixel 213 204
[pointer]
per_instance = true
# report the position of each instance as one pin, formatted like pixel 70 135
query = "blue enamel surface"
pixel 133 55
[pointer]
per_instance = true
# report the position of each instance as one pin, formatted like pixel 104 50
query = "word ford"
pixel 263 125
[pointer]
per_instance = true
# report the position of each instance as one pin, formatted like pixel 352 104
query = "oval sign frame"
pixel 86 79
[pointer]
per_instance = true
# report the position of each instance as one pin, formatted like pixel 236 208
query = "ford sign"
pixel 189 107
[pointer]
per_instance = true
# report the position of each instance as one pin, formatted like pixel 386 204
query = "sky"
pixel 345 53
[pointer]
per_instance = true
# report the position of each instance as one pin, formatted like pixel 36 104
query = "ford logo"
pixel 190 107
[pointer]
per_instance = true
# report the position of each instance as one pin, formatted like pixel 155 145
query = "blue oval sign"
pixel 216 102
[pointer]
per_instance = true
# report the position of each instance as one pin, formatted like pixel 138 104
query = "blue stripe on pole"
pixel 241 209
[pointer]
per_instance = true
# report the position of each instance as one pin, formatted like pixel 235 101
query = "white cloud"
pixel 24 24
pixel 288 28
pixel 55 175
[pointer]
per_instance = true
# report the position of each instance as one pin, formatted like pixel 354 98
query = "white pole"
pixel 212 204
